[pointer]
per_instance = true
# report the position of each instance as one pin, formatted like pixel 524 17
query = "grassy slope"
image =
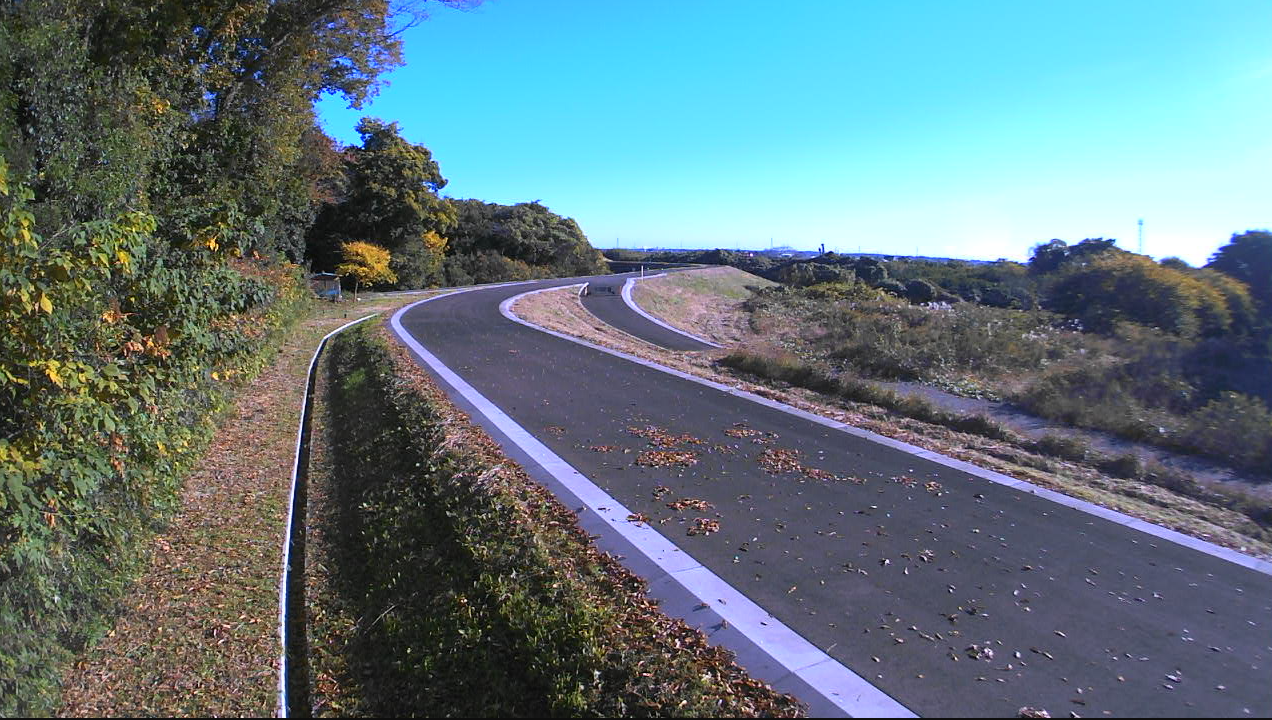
pixel 704 302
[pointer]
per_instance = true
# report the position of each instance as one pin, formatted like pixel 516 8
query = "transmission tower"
pixel 1141 236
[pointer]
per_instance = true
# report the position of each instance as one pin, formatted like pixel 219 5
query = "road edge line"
pixel 834 682
pixel 631 303
pixel 1233 556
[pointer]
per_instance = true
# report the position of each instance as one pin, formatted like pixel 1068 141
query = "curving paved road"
pixel 604 299
pixel 908 571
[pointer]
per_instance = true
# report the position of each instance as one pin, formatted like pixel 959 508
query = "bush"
pixel 1068 447
pixel 893 287
pixel 1235 428
pixel 119 350
pixel 920 291
pixel 1122 286
pixel 1127 465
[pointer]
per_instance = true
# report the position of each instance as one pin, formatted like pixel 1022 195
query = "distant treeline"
pixel 1087 333
pixel 1093 282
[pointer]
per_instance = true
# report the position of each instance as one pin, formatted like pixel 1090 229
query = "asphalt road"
pixel 955 595
pixel 604 299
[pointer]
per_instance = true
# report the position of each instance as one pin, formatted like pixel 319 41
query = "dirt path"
pixel 198 633
pixel 1035 427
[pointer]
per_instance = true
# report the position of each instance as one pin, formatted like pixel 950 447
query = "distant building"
pixel 326 285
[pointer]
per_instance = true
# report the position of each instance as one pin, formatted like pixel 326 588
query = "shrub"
pixel 1122 286
pixel 920 291
pixel 894 287
pixel 1127 465
pixel 1068 447
pixel 1234 427
pixel 119 350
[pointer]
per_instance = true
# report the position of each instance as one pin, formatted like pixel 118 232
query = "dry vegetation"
pixel 707 303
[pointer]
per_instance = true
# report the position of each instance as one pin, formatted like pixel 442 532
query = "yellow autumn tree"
pixel 366 263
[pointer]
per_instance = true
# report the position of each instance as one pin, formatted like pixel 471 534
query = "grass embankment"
pixel 1160 495
pixel 197 633
pixel 704 302
pixel 443 581
pixel 1194 395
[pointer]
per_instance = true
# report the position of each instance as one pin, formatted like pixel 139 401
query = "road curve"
pixel 605 299
pixel 952 594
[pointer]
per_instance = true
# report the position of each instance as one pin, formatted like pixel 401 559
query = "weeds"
pixel 1202 396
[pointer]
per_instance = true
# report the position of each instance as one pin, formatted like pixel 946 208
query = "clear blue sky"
pixel 963 129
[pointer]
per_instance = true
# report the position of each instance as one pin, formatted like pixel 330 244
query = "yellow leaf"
pixel 216 376
pixel 51 371
pixel 123 257
pixel 45 304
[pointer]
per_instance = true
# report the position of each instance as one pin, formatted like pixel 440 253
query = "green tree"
pixel 526 232
pixel 389 197
pixel 419 264
pixel 1248 258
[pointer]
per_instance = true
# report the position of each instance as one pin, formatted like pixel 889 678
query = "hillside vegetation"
pixel 162 180
pixel 1087 334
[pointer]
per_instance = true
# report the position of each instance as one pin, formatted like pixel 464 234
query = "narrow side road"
pixel 604 299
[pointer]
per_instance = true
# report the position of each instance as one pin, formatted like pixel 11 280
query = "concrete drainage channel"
pixel 293 659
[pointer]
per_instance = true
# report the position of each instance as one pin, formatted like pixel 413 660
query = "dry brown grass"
pixel 198 632
pixel 706 302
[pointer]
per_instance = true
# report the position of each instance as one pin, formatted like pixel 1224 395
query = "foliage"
pixel 1055 255
pixel 488 266
pixel 1134 381
pixel 390 198
pixel 1248 258
pixel 366 263
pixel 419 264
pixel 919 290
pixel 118 351
pixel 1234 427
pixel 525 233
pixel 156 161
pixel 1124 286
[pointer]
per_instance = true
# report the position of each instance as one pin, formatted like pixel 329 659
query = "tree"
pixel 527 232
pixel 389 197
pixel 1248 258
pixel 1054 255
pixel 366 263
pixel 1047 257
pixel 419 264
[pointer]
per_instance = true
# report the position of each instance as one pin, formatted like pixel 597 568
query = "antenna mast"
pixel 1141 236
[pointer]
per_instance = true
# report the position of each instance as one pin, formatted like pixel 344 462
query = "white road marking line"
pixel 837 685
